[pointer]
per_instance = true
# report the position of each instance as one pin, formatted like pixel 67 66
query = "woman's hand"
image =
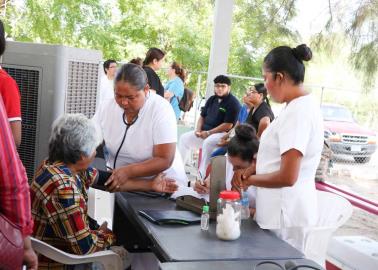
pixel 117 179
pixel 237 181
pixel 251 170
pixel 30 258
pixel 163 184
pixel 104 227
pixel 222 142
pixel 240 178
pixel 202 189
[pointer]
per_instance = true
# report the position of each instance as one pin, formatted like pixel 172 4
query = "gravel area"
pixel 363 180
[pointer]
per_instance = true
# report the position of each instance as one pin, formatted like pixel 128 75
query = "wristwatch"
pixel 208 133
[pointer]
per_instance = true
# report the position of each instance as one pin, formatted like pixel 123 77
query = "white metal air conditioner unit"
pixel 53 80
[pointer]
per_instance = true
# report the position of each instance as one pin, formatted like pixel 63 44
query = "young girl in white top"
pixel 289 151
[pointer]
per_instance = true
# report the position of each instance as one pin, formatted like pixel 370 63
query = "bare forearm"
pixel 270 180
pixel 137 185
pixel 278 179
pixel 200 123
pixel 16 132
pixel 149 167
pixel 264 123
pixel 225 127
pixel 286 176
pixel 30 258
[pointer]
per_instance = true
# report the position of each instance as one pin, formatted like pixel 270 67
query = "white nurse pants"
pixel 295 236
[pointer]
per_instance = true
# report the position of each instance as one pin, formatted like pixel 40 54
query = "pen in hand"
pixel 200 178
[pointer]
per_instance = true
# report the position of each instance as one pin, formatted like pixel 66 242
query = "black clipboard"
pixel 163 217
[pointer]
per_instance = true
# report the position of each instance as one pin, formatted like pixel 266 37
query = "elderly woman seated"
pixel 59 190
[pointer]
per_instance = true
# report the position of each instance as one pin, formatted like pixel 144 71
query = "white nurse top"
pixel 106 90
pixel 299 126
pixel 156 124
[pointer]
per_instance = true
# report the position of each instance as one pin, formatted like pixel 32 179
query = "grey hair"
pixel 72 136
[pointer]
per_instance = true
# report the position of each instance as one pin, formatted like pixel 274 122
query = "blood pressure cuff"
pixel 103 176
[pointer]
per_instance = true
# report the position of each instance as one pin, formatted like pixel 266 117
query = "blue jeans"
pixel 221 151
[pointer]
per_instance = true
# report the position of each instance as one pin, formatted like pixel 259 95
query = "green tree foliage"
pixel 358 21
pixel 121 29
pixel 364 34
pixel 124 29
pixel 128 28
pixel 258 26
pixel 82 23
pixel 175 26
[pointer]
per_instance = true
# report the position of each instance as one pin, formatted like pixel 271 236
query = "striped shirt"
pixel 59 208
pixel 14 188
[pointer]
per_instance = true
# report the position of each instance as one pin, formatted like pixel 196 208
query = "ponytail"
pixel 179 71
pixel 260 88
pixel 267 100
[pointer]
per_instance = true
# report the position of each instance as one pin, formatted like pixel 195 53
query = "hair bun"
pixel 245 132
pixel 302 52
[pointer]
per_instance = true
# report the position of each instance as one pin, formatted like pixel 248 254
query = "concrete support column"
pixel 220 44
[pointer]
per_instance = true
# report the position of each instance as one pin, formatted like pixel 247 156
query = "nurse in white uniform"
pixel 139 130
pixel 289 151
pixel 140 134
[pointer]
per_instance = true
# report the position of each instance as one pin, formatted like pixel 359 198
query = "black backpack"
pixel 187 100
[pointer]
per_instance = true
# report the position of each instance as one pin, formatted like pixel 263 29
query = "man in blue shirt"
pixel 218 116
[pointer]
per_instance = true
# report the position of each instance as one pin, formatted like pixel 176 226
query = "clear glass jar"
pixel 228 215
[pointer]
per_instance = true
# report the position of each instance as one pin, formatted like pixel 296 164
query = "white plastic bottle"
pixel 245 214
pixel 205 218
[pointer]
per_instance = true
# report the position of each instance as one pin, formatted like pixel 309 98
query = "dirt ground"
pixel 361 223
pixel 363 180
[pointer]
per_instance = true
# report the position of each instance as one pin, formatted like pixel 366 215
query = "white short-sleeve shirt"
pixel 299 126
pixel 156 124
pixel 106 90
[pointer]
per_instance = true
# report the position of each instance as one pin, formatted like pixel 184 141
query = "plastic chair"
pixel 333 211
pixel 109 259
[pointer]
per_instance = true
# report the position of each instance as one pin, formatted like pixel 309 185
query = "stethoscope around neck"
pixel 128 125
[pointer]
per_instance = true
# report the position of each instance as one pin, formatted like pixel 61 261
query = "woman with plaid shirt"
pixel 59 191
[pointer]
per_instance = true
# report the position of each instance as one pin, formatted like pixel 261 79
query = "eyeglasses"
pixel 250 92
pixel 220 85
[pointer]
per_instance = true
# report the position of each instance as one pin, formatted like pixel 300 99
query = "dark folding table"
pixel 180 243
pixel 302 264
